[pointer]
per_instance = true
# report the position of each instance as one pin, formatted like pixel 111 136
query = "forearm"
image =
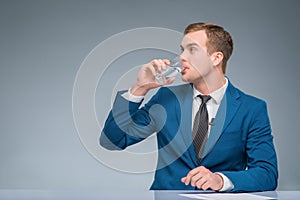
pixel 261 173
pixel 114 133
pixel 123 127
pixel 252 180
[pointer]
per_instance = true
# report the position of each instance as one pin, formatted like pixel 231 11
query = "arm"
pixel 126 123
pixel 261 173
pixel 120 129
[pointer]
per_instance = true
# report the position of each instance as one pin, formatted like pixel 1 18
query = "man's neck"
pixel 208 85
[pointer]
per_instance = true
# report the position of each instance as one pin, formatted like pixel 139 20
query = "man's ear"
pixel 217 58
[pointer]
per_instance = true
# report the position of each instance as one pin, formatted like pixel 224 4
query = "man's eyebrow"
pixel 189 45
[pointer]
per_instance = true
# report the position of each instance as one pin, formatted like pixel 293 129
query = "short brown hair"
pixel 217 39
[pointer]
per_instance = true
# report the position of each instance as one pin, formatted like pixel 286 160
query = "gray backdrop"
pixel 43 43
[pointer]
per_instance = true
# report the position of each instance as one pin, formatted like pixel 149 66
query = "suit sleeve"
pixel 127 124
pixel 261 173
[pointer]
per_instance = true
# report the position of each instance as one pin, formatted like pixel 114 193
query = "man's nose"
pixel 182 57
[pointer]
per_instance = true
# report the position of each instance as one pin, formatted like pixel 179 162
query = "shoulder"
pixel 245 96
pixel 251 99
pixel 248 100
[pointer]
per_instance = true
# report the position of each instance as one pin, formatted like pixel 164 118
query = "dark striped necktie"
pixel 200 128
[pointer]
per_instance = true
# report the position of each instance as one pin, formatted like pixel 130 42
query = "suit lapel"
pixel 185 116
pixel 228 107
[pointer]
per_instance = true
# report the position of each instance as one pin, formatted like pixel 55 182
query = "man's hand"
pixel 203 178
pixel 146 77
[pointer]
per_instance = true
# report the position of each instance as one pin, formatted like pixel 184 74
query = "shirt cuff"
pixel 227 184
pixel 130 97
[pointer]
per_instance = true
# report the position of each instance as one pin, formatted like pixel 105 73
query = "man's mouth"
pixel 184 70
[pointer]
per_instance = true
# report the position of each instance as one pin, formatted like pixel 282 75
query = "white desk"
pixel 124 195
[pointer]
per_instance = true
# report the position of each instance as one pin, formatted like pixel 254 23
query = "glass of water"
pixel 171 71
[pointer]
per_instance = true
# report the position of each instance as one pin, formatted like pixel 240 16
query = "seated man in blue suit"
pixel 210 135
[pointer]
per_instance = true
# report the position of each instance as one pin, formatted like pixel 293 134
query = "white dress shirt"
pixel 212 105
pixel 212 108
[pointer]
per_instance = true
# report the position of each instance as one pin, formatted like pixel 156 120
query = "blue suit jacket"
pixel 240 144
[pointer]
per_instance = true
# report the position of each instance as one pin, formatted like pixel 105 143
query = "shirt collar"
pixel 216 95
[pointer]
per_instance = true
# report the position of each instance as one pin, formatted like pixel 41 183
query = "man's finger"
pixel 166 61
pixel 191 173
pixel 196 178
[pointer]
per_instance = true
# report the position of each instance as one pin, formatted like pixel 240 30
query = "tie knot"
pixel 204 98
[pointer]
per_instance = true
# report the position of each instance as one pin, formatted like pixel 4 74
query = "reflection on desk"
pixel 132 195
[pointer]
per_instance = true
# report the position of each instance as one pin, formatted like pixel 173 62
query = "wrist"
pixel 220 182
pixel 138 90
pixel 227 184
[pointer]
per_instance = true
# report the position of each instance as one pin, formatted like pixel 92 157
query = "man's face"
pixel 194 57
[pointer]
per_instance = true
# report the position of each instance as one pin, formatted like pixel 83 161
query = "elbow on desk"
pixel 274 183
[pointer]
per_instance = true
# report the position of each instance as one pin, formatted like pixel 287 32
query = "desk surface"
pixel 129 195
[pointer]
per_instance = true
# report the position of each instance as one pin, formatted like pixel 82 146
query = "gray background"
pixel 43 43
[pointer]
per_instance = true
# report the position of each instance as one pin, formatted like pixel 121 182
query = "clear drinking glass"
pixel 171 71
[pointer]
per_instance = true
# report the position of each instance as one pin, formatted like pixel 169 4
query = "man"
pixel 210 135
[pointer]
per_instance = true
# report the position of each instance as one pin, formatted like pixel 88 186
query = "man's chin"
pixel 184 79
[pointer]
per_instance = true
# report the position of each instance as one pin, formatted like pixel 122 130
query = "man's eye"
pixel 192 49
